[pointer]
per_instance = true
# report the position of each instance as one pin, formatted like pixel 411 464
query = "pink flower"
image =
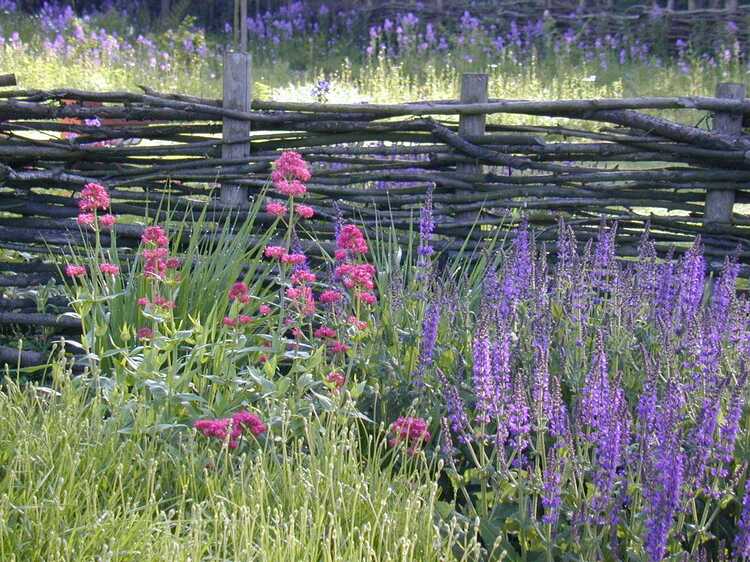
pixel 276 209
pixel 275 252
pixel 109 269
pixel 244 319
pixel 303 299
pixel 297 332
pixel 356 275
pixel 340 255
pixel 294 259
pixel 145 333
pixel 409 430
pixel 305 211
pixel 72 270
pixel 239 292
pixel 249 421
pixel 350 238
pixel 330 296
pixel 263 358
pixel 143 301
pixel 86 219
pixel 300 277
pixel 108 220
pixel 264 309
pixel 325 332
pixel 155 235
pixel 294 188
pixel 293 293
pixel 229 321
pixel 339 347
pixel 163 302
pixel 173 263
pixel 290 165
pixel 367 298
pixel 336 379
pixel 357 323
pixel 93 197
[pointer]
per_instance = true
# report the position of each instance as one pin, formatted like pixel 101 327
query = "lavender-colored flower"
pixel 691 282
pixel 430 325
pixel 742 539
pixel 426 227
pixel 662 481
pixel 484 385
pixel 457 419
pixel 551 492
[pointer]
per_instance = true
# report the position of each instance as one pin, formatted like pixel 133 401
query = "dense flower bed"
pixel 581 407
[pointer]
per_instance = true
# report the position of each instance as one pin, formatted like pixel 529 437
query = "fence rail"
pixel 615 159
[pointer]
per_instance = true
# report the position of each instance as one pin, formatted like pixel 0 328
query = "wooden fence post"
pixel 474 89
pixel 7 80
pixel 720 202
pixel 237 95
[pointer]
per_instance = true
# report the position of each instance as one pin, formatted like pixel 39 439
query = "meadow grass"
pixel 74 487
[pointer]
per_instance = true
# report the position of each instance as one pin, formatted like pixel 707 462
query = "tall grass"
pixel 74 488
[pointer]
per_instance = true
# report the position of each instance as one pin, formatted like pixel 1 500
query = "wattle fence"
pixel 590 160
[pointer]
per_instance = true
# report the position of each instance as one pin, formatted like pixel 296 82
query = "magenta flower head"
pixel 330 296
pixel 276 209
pixel 109 269
pixel 290 172
pixel 275 252
pixel 108 220
pixel 410 431
pixel 337 379
pixel 72 270
pixel 350 238
pixel 250 422
pixel 305 211
pixel 145 333
pixel 239 291
pixel 93 197
pixel 86 219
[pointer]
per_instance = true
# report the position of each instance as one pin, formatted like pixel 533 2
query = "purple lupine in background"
pixel 458 421
pixel 518 421
pixel 426 228
pixel 484 385
pixel 724 292
pixel 604 257
pixel 691 282
pixel 542 398
pixel 551 492
pixel 742 539
pixel 430 325
pixel 662 482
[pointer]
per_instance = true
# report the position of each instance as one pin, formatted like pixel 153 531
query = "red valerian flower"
pixel 145 333
pixel 93 197
pixel 109 269
pixel 239 291
pixel 330 296
pixel 275 252
pixel 350 238
pixel 411 431
pixel 336 379
pixel 276 209
pixel 305 211
pixel 72 270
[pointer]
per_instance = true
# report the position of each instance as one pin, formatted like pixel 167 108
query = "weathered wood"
pixel 720 203
pixel 237 94
pixel 7 80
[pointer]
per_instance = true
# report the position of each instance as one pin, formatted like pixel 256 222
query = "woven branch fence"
pixel 613 159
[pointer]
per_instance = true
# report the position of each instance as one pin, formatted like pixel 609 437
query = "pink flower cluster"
pixel 232 429
pixel 109 269
pixel 72 270
pixel 156 253
pixel 94 198
pixel 289 174
pixel 411 431
pixel 356 275
pixel 337 379
pixel 239 292
pixel 350 240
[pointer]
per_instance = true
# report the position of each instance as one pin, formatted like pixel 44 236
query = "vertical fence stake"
pixel 237 95
pixel 720 202
pixel 473 90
